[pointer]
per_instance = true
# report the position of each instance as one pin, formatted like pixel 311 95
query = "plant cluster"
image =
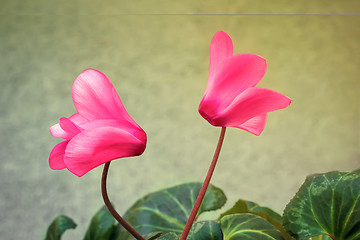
pixel 326 206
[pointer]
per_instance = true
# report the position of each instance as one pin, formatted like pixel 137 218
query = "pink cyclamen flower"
pixel 99 132
pixel 231 98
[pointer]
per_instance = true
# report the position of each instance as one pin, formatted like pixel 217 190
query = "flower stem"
pixel 204 187
pixel 113 212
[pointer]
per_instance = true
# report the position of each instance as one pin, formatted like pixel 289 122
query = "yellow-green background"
pixel 156 54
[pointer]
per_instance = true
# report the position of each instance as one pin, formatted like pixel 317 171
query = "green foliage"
pixel 58 226
pixel 205 230
pixel 202 230
pixel 243 206
pixel 149 236
pixel 102 226
pixel 153 236
pixel 168 210
pixel 248 226
pixel 321 237
pixel 169 236
pixel 326 204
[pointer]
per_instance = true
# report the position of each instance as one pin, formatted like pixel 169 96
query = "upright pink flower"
pixel 231 98
pixel 99 132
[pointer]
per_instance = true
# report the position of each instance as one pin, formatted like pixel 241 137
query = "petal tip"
pixel 90 70
pixel 222 38
pixel 221 34
pixel 78 174
pixel 52 130
pixel 56 158
pixel 289 101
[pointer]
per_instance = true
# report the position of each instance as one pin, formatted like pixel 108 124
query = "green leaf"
pixel 154 236
pixel 149 236
pixel 58 226
pixel 326 204
pixel 169 236
pixel 168 210
pixel 246 226
pixel 205 230
pixel 242 206
pixel 102 226
pixel 321 237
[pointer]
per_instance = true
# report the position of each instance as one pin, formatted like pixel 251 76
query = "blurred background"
pixel 156 55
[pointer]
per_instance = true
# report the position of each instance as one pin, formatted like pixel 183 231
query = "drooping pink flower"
pixel 99 132
pixel 231 98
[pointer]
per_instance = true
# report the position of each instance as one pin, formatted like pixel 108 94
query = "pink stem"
pixel 204 187
pixel 112 210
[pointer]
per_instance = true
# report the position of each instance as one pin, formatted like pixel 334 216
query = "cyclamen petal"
pixel 56 159
pixel 236 74
pixel 68 126
pixel 101 131
pixel 221 47
pixel 78 119
pixel 252 102
pixel 94 147
pixel 95 97
pixel 57 131
pixel 254 125
pixel 99 123
pixel 231 98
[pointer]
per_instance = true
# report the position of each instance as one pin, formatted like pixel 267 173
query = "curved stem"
pixel 204 187
pixel 113 212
